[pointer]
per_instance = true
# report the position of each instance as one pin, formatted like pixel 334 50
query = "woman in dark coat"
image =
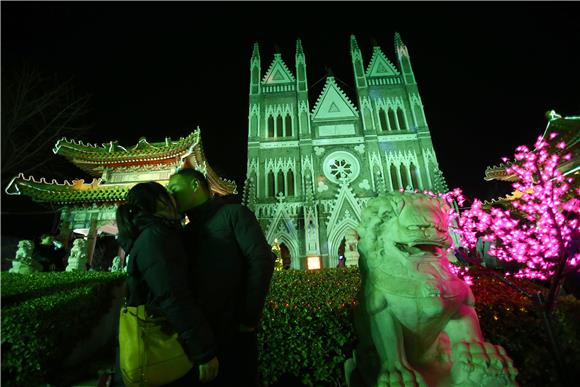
pixel 148 226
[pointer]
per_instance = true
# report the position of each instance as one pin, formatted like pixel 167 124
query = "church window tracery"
pixel 290 182
pixel 401 119
pixel 279 127
pixel 280 182
pixel 383 120
pixel 392 120
pixel 341 166
pixel 270 127
pixel 288 125
pixel 414 176
pixel 271 187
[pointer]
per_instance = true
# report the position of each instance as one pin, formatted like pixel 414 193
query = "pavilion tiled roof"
pixel 568 129
pixel 93 158
pixel 76 192
pixel 187 152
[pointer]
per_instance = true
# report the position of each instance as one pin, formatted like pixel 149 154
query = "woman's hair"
pixel 141 199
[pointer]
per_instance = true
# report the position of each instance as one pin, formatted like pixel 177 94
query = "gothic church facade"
pixel 311 170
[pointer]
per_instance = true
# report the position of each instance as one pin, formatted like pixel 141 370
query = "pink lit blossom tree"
pixel 541 229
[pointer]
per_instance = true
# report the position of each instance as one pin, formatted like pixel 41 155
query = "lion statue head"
pixel 399 228
pixel 78 250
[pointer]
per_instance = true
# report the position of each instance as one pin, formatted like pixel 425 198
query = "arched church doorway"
pixel 283 255
pixel 341 258
pixel 286 256
pixel 348 249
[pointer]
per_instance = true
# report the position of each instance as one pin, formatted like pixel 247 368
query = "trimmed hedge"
pixel 307 331
pixel 42 324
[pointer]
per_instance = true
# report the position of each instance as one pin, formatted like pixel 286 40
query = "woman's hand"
pixel 208 371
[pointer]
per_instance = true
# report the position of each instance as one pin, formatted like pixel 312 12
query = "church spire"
pixel 404 60
pixel 353 43
pixel 255 71
pixel 357 63
pixel 301 82
pixel 256 52
pixel 398 40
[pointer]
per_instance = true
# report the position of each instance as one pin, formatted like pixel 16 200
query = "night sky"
pixel 487 72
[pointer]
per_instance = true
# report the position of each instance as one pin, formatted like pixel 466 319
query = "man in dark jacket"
pixel 232 266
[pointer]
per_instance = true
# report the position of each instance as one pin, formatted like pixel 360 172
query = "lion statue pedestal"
pixel 416 320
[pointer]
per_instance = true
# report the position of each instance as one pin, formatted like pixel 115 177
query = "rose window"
pixel 341 166
pixel 341 169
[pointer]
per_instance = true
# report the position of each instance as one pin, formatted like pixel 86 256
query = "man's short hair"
pixel 191 173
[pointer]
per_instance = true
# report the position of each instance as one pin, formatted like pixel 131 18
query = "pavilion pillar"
pixel 65 229
pixel 122 254
pixel 92 239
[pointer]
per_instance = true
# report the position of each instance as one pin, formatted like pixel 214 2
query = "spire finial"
pixel 398 40
pixel 374 43
pixel 276 48
pixel 299 46
pixel 353 43
pixel 256 51
pixel 329 72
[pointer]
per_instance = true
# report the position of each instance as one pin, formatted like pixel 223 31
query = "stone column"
pixel 92 239
pixel 65 229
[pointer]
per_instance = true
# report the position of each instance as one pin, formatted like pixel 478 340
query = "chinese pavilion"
pixel 310 171
pixel 89 208
pixel 568 129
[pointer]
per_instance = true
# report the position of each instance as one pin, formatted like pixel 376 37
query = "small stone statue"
pixel 23 262
pixel 116 267
pixel 416 321
pixel 351 254
pixel 77 260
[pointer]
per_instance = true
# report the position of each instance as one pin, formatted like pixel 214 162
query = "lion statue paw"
pixel 482 364
pixel 399 375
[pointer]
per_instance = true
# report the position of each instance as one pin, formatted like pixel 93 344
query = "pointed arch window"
pixel 401 117
pixel 392 121
pixel 414 176
pixel 404 174
pixel 270 127
pixel 279 127
pixel 288 125
pixel 290 181
pixel 383 120
pixel 394 179
pixel 271 187
pixel 280 187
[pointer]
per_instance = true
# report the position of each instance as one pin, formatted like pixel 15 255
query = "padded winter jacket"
pixel 157 277
pixel 231 265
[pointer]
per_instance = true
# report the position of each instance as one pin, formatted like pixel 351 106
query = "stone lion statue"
pixel 77 260
pixel 416 320
pixel 23 262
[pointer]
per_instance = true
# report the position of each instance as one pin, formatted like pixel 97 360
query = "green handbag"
pixel 150 354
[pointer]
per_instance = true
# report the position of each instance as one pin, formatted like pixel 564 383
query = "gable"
pixel 278 72
pixel 333 104
pixel 380 66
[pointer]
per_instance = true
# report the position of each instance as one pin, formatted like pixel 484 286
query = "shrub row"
pixel 41 329
pixel 307 331
pixel 18 288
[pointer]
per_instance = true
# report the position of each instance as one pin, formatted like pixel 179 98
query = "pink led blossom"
pixel 540 230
